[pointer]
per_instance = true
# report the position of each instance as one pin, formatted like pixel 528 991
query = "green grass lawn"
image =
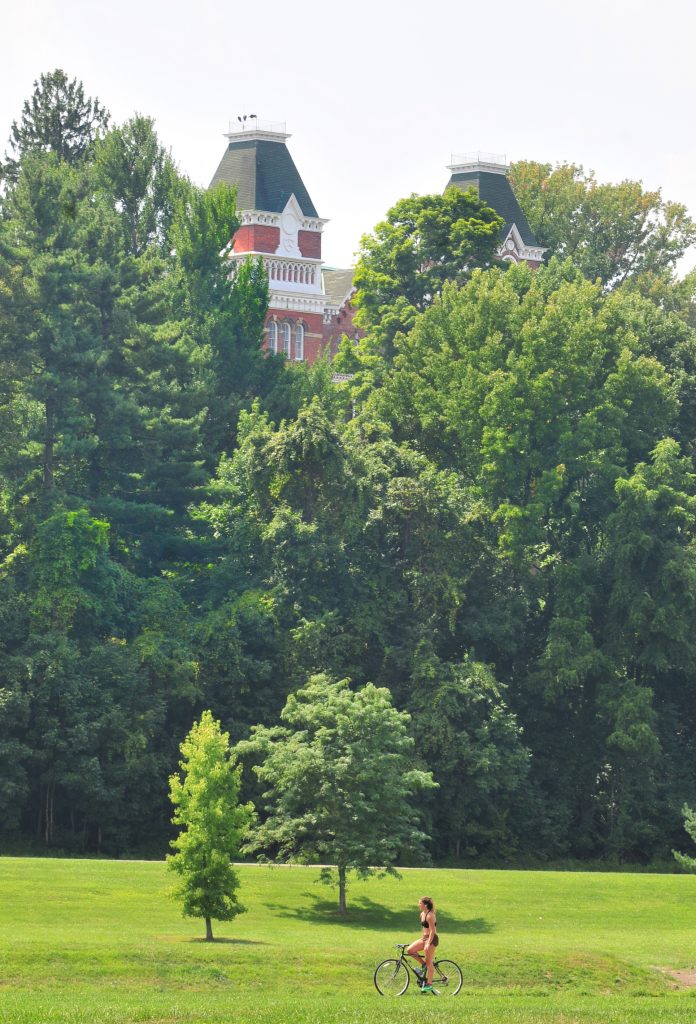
pixel 99 942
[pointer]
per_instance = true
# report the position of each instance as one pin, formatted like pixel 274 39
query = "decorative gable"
pixel 487 174
pixel 290 222
pixel 516 250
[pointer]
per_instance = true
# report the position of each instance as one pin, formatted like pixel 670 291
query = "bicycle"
pixel 392 977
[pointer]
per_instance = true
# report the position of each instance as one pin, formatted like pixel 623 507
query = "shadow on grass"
pixel 366 913
pixel 229 942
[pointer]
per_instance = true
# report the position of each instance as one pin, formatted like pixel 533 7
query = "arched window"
pixel 285 335
pixel 299 341
pixel 273 336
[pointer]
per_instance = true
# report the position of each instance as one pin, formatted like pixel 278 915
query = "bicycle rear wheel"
pixel 447 978
pixel 391 978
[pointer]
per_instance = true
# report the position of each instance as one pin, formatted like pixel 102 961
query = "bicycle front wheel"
pixel 447 978
pixel 391 978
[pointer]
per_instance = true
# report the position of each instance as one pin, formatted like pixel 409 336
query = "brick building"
pixel 310 305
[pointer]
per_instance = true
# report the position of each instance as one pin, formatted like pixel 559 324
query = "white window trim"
pixel 286 338
pixel 299 341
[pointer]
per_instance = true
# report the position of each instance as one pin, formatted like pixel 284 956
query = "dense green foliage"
pixel 98 942
pixel 423 242
pixel 212 825
pixel 493 520
pixel 611 232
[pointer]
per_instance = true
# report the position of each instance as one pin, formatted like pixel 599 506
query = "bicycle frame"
pixel 406 959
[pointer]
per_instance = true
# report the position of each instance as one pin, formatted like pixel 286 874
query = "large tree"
pixel 340 781
pixel 60 247
pixel 542 394
pixel 613 232
pixel 225 317
pixel 135 169
pixel 423 242
pixel 100 410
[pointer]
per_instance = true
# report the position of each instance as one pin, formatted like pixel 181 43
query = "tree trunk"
pixel 208 930
pixel 341 889
pixel 48 812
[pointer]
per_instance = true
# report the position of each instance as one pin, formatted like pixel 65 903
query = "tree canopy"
pixel 58 119
pixel 423 242
pixel 339 781
pixel 611 232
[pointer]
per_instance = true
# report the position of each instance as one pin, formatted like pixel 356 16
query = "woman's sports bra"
pixel 424 924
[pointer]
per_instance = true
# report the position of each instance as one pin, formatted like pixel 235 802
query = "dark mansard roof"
pixel 264 174
pixel 495 190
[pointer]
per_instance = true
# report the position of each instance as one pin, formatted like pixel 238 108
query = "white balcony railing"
pixel 477 157
pixel 250 123
pixel 292 274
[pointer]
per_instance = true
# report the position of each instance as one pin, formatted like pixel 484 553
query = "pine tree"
pixel 58 243
pixel 58 119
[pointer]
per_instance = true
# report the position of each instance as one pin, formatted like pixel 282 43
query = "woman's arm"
pixel 431 929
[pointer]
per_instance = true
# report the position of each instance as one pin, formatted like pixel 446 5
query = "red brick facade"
pixel 256 238
pixel 309 243
pixel 339 324
pixel 282 334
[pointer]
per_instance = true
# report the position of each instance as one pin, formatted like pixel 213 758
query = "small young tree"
pixel 206 806
pixel 340 781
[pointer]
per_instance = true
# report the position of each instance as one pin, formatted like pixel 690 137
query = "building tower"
pixel 279 222
pixel 487 174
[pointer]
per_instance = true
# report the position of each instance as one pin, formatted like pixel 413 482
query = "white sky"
pixel 378 95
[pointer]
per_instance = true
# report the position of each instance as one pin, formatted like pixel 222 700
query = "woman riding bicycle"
pixel 428 941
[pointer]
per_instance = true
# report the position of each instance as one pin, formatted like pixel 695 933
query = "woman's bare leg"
pixel 429 958
pixel 414 950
